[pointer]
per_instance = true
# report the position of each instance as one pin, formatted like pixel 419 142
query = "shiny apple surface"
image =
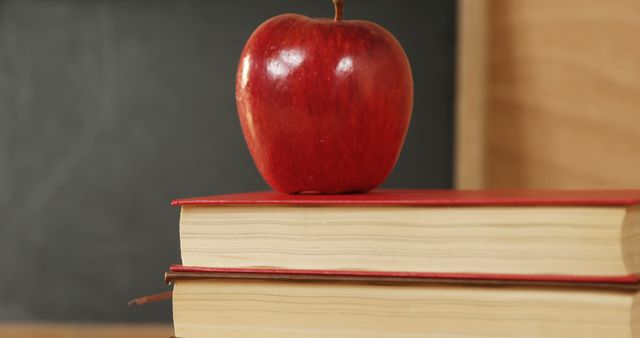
pixel 324 105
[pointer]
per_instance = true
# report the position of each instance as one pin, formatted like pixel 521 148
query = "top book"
pixel 516 232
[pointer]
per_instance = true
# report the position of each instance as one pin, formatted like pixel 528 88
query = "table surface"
pixel 29 330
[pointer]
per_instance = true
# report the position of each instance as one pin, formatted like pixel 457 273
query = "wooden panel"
pixel 563 94
pixel 27 330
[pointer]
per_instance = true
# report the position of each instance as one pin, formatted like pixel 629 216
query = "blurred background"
pixel 548 94
pixel 110 109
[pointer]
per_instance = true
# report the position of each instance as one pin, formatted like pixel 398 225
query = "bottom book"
pixel 230 305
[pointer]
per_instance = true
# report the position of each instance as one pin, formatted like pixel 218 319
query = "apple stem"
pixel 338 5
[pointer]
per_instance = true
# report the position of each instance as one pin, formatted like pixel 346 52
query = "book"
pixel 592 234
pixel 230 302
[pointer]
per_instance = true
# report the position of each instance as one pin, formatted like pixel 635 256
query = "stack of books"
pixel 409 263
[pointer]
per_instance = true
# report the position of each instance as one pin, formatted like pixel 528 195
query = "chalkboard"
pixel 109 109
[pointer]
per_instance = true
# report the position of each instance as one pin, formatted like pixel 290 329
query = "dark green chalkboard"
pixel 108 109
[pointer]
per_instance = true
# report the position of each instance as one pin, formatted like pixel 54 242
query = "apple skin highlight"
pixel 324 104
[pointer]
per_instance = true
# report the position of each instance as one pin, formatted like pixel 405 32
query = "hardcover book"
pixel 222 302
pixel 587 234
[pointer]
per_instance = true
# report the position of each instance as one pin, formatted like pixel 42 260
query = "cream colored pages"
pixel 522 240
pixel 245 309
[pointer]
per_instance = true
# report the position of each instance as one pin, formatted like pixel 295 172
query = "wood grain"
pixel 33 330
pixel 563 94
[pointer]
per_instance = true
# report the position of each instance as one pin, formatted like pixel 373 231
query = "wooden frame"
pixel 470 94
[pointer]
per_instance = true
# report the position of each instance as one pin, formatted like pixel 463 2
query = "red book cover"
pixel 430 198
pixel 178 272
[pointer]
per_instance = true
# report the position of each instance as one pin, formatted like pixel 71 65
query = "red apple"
pixel 324 104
